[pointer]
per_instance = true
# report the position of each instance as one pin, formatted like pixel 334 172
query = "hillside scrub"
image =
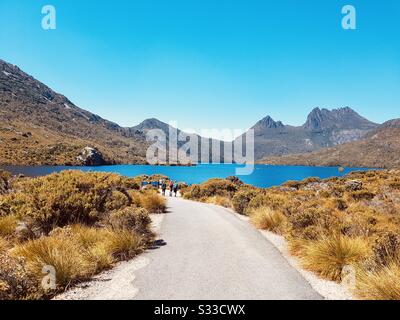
pixel 330 224
pixel 77 223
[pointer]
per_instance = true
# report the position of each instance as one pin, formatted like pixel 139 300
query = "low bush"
pixel 211 188
pixel 15 281
pixel 66 198
pixel 132 219
pixel 242 198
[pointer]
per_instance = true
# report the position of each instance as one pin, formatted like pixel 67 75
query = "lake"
pixel 263 175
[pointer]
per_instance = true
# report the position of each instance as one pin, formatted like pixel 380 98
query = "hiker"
pixel 176 188
pixel 171 188
pixel 163 188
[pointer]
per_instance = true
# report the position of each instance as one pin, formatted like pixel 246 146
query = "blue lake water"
pixel 262 176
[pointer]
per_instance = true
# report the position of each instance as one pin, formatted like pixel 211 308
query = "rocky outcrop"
pixel 91 157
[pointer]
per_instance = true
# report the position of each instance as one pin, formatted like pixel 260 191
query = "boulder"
pixel 91 157
pixel 235 180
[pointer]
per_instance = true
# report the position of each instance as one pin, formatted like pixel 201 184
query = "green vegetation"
pixel 79 223
pixel 329 224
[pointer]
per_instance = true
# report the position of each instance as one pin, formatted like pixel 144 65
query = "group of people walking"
pixel 172 185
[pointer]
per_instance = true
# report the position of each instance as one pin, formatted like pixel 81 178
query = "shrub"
pixel 66 198
pixel 267 219
pixel 304 218
pixel 116 200
pixel 131 218
pixel 242 198
pixel 15 282
pixel 218 187
pixel 339 204
pixel 293 184
pixel 274 201
pixel 211 188
pixel 386 248
pixel 362 195
pixel 329 255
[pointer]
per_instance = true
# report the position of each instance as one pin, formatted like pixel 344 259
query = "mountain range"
pixel 380 148
pixel 42 127
pixel 323 128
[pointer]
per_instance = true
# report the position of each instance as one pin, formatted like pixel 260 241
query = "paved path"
pixel 212 254
pixel 209 253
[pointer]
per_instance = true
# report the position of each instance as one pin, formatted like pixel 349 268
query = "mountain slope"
pixel 40 126
pixel 323 128
pixel 378 149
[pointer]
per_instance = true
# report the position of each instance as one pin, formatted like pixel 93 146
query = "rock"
pixel 23 232
pixel 91 157
pixel 235 180
pixel 353 185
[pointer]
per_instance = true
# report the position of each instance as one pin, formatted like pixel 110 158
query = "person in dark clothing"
pixel 163 188
pixel 176 188
pixel 171 188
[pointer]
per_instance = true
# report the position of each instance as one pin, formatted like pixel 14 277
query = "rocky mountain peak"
pixel 150 124
pixel 268 123
pixel 341 118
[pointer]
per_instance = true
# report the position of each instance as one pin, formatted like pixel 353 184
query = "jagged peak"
pixel 320 119
pixel 268 122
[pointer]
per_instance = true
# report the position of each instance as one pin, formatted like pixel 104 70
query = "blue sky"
pixel 210 63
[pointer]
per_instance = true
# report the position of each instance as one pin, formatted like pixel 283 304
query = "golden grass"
pixel 93 242
pixel 383 284
pixel 220 201
pixel 267 219
pixel 152 202
pixel 61 253
pixel 8 225
pixel 78 252
pixel 330 255
pixel 3 245
pixel 124 244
